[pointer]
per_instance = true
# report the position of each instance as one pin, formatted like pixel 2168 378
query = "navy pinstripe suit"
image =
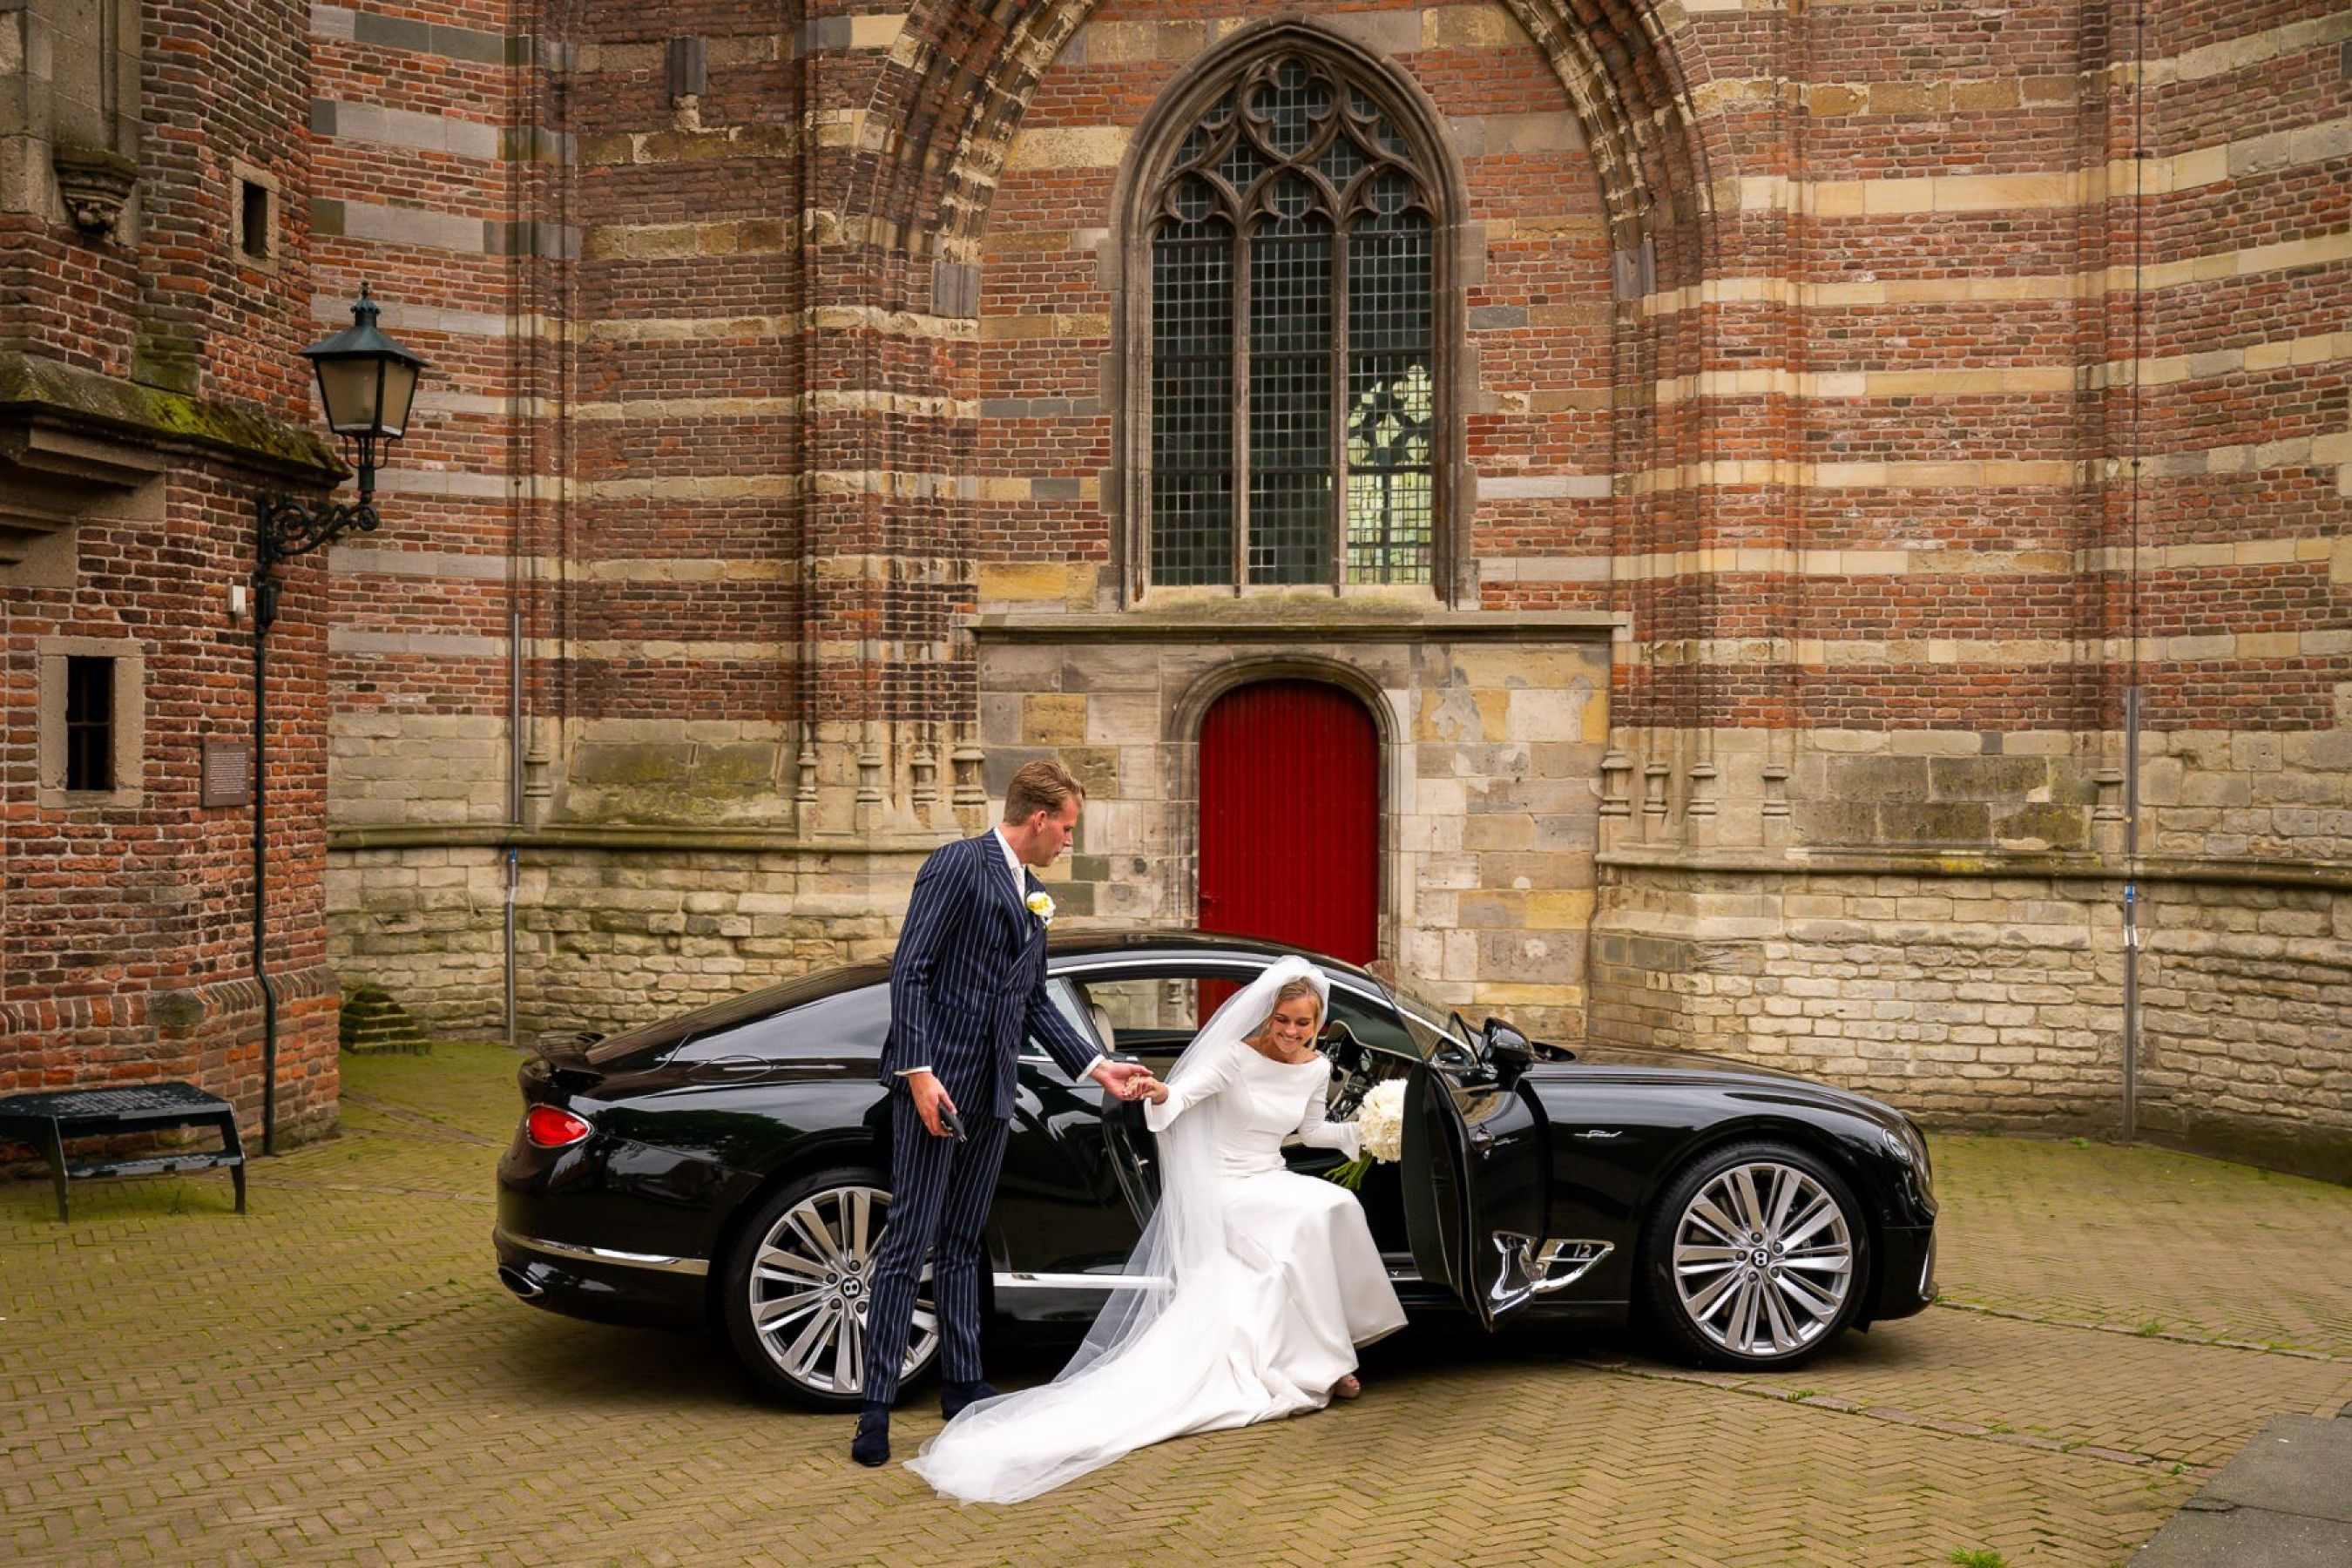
pixel 967 983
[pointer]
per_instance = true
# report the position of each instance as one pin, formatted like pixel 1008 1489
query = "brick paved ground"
pixel 339 1377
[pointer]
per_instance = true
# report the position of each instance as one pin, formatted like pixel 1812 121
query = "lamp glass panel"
pixel 349 390
pixel 399 391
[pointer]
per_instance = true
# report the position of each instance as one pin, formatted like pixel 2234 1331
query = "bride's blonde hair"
pixel 1292 990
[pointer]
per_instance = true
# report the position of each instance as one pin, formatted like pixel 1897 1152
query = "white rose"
pixel 1379 1124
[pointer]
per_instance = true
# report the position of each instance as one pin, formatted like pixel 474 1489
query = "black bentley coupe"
pixel 728 1168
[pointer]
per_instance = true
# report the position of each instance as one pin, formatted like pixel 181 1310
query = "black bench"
pixel 46 1121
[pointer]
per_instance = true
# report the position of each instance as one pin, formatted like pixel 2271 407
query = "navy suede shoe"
pixel 954 1397
pixel 871 1447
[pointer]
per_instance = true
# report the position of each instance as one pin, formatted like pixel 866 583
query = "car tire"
pixel 1755 1260
pixel 796 1285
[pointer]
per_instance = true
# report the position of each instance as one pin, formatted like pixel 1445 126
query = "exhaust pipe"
pixel 520 1283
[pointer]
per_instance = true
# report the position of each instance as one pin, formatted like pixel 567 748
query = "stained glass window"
pixel 1294 409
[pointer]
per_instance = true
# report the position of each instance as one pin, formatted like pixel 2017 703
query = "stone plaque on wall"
pixel 228 772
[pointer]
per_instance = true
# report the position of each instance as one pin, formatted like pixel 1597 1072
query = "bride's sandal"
pixel 1348 1387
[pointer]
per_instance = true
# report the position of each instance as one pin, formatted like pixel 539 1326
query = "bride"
pixel 1253 1285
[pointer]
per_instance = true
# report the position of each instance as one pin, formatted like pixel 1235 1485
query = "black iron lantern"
pixel 367 382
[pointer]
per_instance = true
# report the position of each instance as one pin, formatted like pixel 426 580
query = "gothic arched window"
pixel 1293 380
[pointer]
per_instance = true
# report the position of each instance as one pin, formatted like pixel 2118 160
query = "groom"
pixel 967 983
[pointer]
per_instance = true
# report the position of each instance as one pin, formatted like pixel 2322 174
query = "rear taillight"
pixel 552 1129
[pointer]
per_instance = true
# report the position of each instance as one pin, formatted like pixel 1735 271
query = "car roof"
pixel 1183 941
pixel 1131 943
pixel 1064 949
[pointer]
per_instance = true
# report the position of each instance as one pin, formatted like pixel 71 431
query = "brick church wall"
pixel 1895 386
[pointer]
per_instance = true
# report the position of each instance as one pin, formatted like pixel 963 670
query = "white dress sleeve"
pixel 1198 1085
pixel 1317 1131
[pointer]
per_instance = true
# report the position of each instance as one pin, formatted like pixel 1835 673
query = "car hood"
pixel 1677 1061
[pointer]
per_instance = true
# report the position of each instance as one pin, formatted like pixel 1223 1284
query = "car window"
pixel 1154 1011
pixel 749 1007
pixel 1151 1017
pixel 1072 1010
pixel 1436 1033
pixel 1372 1023
pixel 855 1021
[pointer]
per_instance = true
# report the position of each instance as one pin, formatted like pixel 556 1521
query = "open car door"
pixel 1476 1172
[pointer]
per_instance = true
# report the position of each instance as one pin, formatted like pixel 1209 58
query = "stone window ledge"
pixel 83 428
pixel 1292 621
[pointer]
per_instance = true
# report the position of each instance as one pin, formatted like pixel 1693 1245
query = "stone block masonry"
pixel 1971 998
pixel 1994 998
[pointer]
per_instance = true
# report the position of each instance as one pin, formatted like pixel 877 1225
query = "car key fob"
pixel 952 1122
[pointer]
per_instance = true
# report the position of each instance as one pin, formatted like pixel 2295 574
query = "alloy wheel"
pixel 812 1281
pixel 1763 1261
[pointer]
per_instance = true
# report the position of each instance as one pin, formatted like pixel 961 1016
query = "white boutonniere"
pixel 1043 908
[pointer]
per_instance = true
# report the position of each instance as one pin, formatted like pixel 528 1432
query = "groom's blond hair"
pixel 1041 785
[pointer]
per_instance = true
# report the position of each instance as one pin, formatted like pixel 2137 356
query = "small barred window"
pixel 1293 384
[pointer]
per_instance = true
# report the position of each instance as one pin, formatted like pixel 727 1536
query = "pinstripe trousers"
pixel 940 1195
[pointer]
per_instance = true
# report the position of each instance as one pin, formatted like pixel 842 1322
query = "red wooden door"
pixel 1290 818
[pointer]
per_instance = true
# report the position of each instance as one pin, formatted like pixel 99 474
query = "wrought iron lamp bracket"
pixel 289 528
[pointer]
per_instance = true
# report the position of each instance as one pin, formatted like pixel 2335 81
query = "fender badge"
pixel 1600 1133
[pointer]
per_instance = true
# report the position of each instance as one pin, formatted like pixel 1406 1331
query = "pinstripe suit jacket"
pixel 968 981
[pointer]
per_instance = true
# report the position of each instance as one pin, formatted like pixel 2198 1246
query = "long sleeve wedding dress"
pixel 1256 1284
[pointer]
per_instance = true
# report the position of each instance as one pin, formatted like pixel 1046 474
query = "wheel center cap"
pixel 849 1287
pixel 1760 1258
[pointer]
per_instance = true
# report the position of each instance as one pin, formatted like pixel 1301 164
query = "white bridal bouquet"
pixel 1380 1130
pixel 1380 1121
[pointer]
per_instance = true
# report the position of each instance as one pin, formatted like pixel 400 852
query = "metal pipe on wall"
pixel 2138 490
pixel 514 799
pixel 2131 914
pixel 265 611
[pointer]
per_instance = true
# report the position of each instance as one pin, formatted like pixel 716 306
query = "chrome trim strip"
pixel 1105 1283
pixel 571 1252
pixel 1239 966
pixel 1022 1280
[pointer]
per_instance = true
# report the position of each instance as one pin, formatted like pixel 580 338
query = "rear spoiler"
pixel 564 1048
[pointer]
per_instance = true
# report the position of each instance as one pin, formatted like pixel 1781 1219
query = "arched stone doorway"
pixel 1290 818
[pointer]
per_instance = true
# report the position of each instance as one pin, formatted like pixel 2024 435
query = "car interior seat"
pixel 1099 1016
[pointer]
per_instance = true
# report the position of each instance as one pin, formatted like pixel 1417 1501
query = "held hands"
pixel 1130 1080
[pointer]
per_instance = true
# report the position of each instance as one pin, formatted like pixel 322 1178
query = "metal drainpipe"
pixel 264 612
pixel 2138 487
pixel 514 800
pixel 2131 914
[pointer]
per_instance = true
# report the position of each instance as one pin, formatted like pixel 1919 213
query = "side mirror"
pixel 1507 1050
